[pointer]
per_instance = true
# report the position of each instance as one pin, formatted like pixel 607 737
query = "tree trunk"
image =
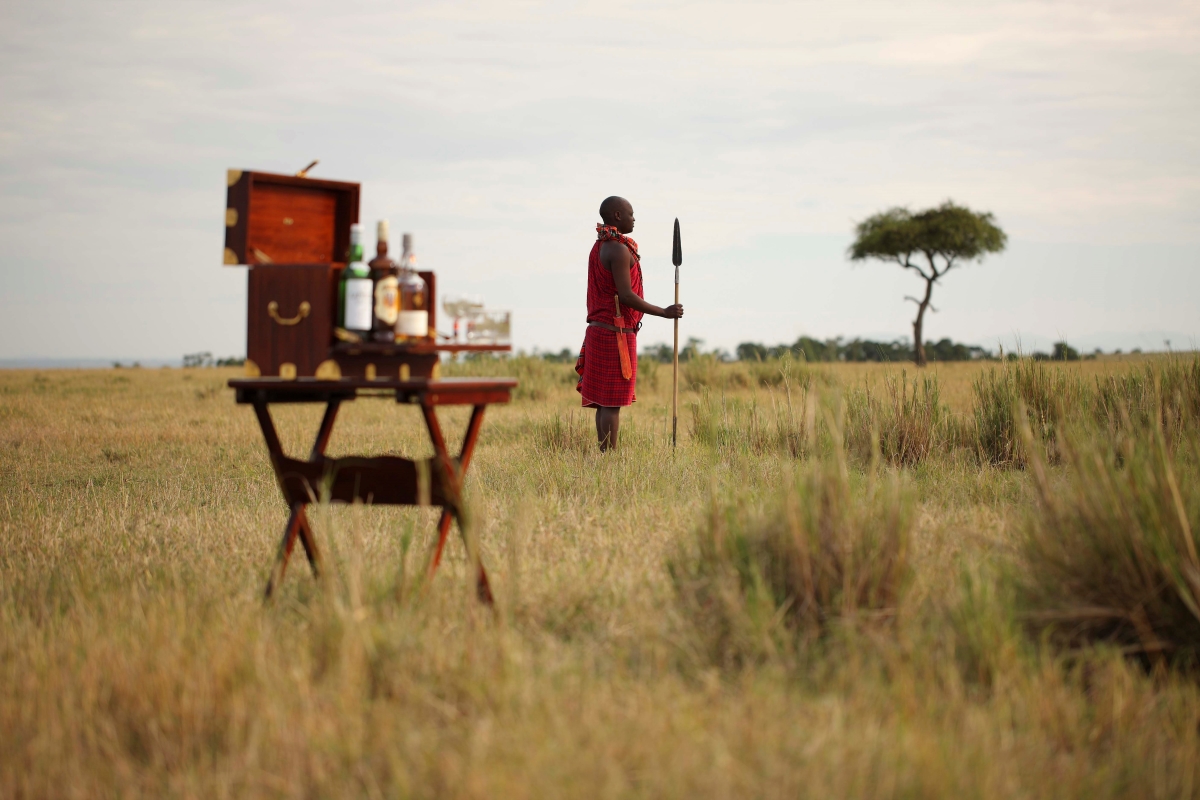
pixel 919 324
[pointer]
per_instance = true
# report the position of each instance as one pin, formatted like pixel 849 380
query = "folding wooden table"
pixel 376 480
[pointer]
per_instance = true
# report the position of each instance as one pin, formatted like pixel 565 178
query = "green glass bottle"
pixel 355 252
pixel 354 289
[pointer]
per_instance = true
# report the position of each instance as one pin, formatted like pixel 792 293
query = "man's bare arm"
pixel 616 257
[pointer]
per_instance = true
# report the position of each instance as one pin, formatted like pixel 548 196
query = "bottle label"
pixel 358 304
pixel 413 323
pixel 387 300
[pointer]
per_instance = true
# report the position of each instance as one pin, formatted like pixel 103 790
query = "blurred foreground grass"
pixel 760 613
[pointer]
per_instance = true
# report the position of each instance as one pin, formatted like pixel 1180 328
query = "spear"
pixel 676 259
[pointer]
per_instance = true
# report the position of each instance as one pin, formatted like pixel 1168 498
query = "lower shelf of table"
pixel 435 391
pixel 374 480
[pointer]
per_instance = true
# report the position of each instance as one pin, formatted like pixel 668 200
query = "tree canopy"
pixel 946 236
pixel 950 232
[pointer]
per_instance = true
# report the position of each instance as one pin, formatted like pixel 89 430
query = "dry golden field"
pixel 643 644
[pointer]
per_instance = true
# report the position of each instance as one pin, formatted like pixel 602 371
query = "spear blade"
pixel 676 250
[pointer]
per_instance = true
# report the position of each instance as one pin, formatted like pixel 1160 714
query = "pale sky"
pixel 493 130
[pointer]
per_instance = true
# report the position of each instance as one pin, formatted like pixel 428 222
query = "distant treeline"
pixel 860 350
pixel 900 350
pixel 814 350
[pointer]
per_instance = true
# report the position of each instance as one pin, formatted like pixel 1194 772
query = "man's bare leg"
pixel 608 425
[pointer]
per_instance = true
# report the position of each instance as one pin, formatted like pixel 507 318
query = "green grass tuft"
pixel 775 424
pixel 1111 553
pixel 757 581
pixel 906 422
pixel 1049 394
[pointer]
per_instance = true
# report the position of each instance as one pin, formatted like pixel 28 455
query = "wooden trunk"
pixel 290 329
pixel 283 219
pixel 290 321
pixel 293 233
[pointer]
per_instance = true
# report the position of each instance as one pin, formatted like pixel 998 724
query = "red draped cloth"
pixel 601 383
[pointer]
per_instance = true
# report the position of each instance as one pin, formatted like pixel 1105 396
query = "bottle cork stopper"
pixel 381 231
pixel 407 242
pixel 355 233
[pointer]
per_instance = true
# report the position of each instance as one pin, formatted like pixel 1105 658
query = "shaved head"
pixel 611 206
pixel 618 212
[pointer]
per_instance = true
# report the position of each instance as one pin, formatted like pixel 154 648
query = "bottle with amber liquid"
pixel 385 277
pixel 413 320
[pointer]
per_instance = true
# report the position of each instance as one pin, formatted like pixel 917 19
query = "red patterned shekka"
pixel 600 380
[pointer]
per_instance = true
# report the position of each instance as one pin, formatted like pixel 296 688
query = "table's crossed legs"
pixel 452 477
pixel 450 472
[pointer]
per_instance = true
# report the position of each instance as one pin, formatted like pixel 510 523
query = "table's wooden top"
pixel 416 347
pixel 436 391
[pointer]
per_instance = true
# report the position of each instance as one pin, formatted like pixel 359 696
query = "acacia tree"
pixel 946 237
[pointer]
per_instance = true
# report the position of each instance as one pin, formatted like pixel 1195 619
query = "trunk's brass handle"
pixel 273 310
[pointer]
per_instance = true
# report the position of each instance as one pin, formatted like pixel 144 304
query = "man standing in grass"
pixel 614 271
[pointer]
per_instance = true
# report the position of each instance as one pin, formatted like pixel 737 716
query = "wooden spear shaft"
pixel 675 369
pixel 676 259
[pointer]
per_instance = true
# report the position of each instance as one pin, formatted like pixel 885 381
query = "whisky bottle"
pixel 413 319
pixel 385 277
pixel 354 254
pixel 357 297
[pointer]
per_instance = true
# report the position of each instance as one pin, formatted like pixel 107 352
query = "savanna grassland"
pixel 976 581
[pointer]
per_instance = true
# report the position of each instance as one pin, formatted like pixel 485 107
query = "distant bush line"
pixel 814 350
pixel 900 350
pixel 831 350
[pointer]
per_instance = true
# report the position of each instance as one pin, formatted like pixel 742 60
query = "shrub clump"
pixel 757 583
pixel 1049 395
pixel 707 371
pixel 1166 393
pixel 731 423
pixel 568 432
pixel 1112 557
pixel 907 423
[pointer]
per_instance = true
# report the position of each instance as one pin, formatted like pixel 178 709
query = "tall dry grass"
pixel 1048 394
pixel 905 422
pixel 139 516
pixel 1166 393
pixel 774 423
pixel 1111 553
pixel 758 583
